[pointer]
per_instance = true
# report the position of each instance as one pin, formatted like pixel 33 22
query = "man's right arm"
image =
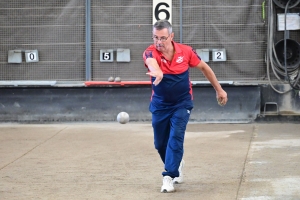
pixel 154 70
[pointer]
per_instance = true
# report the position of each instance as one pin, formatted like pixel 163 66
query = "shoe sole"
pixel 166 191
pixel 177 182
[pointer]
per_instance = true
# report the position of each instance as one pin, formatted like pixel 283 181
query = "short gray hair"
pixel 163 23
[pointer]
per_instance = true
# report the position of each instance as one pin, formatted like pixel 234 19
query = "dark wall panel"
pixel 103 104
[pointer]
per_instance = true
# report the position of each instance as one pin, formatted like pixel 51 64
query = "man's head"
pixel 162 35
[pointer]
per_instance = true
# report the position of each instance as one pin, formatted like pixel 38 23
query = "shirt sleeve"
pixel 149 53
pixel 195 58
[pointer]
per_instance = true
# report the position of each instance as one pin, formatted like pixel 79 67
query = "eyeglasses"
pixel 162 39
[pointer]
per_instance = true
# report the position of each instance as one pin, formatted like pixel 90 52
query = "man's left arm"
pixel 210 75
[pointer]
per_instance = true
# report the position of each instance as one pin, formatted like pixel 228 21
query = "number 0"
pixel 31 56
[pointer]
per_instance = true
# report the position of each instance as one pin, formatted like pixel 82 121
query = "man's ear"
pixel 172 36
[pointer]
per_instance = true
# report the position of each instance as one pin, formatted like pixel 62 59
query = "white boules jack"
pixel 123 117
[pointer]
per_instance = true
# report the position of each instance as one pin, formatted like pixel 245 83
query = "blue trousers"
pixel 169 129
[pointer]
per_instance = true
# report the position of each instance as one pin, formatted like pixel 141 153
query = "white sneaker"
pixel 167 185
pixel 179 179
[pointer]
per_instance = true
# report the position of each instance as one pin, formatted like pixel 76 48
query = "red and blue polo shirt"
pixel 175 89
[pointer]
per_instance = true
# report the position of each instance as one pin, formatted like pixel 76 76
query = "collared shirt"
pixel 175 88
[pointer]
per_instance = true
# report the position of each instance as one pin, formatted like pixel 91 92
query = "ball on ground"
pixel 123 117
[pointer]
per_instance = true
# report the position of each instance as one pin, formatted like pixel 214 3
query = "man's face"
pixel 162 39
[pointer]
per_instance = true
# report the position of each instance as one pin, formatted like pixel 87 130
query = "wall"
pixel 50 104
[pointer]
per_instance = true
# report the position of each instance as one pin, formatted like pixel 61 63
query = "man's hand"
pixel 154 70
pixel 158 76
pixel 222 98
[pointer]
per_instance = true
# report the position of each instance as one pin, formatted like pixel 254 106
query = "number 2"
pixel 219 55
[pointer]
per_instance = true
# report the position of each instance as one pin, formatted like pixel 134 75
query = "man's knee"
pixel 176 144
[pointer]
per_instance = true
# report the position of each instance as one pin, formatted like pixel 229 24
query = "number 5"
pixel 106 56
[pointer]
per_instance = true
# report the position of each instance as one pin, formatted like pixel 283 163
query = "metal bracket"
pixel 271 104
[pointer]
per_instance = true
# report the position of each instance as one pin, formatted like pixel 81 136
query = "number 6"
pixel 162 10
pixel 158 11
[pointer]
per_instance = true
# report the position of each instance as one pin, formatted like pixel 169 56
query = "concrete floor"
pixel 113 161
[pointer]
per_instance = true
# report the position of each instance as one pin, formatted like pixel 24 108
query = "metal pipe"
pixel 87 40
pixel 180 18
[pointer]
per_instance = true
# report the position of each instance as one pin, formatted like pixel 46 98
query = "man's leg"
pixel 174 152
pixel 161 129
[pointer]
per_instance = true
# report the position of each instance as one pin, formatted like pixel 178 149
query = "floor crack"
pixel 254 134
pixel 43 142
